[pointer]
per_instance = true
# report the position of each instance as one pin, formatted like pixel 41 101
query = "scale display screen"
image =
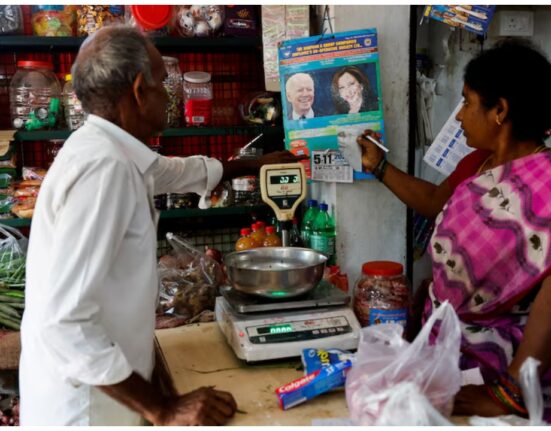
pixel 275 329
pixel 284 179
pixel 299 330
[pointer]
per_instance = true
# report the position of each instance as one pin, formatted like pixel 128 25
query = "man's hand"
pixel 204 407
pixel 241 167
pixel 475 400
pixel 371 154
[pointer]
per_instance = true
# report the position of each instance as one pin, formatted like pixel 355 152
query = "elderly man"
pixel 299 90
pixel 88 329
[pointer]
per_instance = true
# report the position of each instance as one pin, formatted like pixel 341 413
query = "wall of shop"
pixel 371 222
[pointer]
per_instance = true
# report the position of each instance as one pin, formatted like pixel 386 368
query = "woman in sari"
pixel 491 247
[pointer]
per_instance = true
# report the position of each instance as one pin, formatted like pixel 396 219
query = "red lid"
pixel 151 17
pixel 245 231
pixel 36 64
pixel 382 267
pixel 260 224
pixel 334 269
pixel 270 230
pixel 254 227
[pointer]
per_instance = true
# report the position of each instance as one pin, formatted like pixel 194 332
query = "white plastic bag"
pixel 384 360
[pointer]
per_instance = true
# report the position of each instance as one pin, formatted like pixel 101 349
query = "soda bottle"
pixel 258 233
pixel 308 220
pixel 245 242
pixel 294 236
pixel 271 239
pixel 323 236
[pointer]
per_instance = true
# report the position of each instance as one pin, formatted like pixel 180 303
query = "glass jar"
pixel 53 20
pixel 197 98
pixel 152 19
pixel 74 115
pixel 91 18
pixel 11 19
pixel 246 189
pixel 199 20
pixel 174 89
pixel 34 96
pixel 381 294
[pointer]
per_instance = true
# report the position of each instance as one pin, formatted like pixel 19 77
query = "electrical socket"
pixel 516 23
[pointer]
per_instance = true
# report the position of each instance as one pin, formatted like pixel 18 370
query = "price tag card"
pixel 330 165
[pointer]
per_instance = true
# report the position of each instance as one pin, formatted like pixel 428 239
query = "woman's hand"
pixel 475 400
pixel 371 154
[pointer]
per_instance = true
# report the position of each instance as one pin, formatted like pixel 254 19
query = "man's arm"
pixel 204 406
pixel 238 167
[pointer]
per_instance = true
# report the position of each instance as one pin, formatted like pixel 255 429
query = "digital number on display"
pixel 284 179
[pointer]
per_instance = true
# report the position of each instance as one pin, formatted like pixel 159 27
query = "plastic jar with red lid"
pixel 153 19
pixel 197 98
pixel 35 95
pixel 381 294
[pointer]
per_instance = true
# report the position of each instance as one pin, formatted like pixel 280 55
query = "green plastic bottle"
pixel 308 221
pixel 324 235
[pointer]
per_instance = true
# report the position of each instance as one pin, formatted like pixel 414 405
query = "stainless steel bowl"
pixel 275 272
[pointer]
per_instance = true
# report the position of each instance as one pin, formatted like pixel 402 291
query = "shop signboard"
pixel 331 93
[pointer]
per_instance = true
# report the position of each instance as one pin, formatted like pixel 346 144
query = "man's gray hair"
pixel 292 81
pixel 106 66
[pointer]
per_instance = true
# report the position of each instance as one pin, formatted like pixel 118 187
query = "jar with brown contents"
pixel 381 294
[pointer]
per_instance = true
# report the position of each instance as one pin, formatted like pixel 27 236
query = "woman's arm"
pixel 472 400
pixel 424 197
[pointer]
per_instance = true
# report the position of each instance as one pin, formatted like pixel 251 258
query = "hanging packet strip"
pixel 474 18
pixel 331 93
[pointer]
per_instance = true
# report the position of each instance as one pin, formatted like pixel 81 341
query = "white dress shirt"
pixel 296 116
pixel 91 273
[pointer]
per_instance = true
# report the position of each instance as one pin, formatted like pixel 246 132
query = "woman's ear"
pixel 502 109
pixel 138 89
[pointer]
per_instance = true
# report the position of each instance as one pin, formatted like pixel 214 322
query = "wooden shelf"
pixel 41 43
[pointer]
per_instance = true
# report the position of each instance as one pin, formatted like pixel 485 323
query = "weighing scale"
pixel 259 328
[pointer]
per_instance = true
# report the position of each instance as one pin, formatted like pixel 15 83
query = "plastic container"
pixel 53 148
pixel 295 239
pixel 271 239
pixel 245 242
pixel 152 19
pixel 11 19
pixel 258 233
pixel 34 96
pixel 91 18
pixel 246 190
pixel 199 21
pixel 308 220
pixel 323 236
pixel 74 115
pixel 197 98
pixel 174 89
pixel 381 294
pixel 53 20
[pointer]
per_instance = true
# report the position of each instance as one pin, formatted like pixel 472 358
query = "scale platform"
pixel 269 329
pixel 323 295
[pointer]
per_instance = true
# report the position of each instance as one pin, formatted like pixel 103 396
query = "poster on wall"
pixel 331 93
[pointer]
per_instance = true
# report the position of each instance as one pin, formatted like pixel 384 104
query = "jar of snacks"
pixel 246 189
pixel 153 19
pixel 174 89
pixel 199 21
pixel 382 294
pixel 34 96
pixel 53 20
pixel 197 98
pixel 93 17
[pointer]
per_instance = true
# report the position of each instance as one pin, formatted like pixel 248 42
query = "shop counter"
pixel 198 355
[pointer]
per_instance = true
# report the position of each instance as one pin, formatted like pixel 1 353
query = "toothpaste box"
pixel 313 384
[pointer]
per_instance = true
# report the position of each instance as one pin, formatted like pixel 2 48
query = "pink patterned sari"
pixel 491 249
